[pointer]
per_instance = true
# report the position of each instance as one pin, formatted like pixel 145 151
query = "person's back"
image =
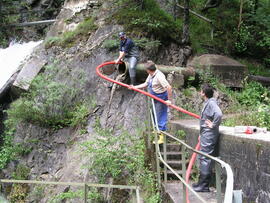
pixel 129 47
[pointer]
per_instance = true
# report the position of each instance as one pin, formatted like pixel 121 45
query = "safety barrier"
pixel 85 185
pixel 229 186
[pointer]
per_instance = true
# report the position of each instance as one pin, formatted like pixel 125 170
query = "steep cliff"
pixel 56 130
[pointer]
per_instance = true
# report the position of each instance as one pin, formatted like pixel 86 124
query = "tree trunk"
pixel 265 81
pixel 240 14
pixel 185 39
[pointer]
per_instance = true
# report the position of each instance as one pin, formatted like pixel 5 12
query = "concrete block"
pixel 28 73
pixel 247 154
pixel 229 71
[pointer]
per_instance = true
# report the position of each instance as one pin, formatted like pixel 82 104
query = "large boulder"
pixel 229 71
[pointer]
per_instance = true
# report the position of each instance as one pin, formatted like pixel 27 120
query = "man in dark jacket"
pixel 209 134
pixel 129 51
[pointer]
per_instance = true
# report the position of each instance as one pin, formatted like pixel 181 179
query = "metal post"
pixel 157 160
pixel 183 150
pixel 138 195
pixel 85 192
pixel 165 158
pixel 218 182
pixel 134 199
pixel 237 196
pixel 156 143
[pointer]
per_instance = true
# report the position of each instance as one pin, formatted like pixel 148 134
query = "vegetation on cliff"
pixel 55 102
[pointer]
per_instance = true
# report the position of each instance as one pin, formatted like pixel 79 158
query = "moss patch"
pixel 68 39
pixel 150 21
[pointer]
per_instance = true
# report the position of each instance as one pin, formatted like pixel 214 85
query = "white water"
pixel 3 200
pixel 12 57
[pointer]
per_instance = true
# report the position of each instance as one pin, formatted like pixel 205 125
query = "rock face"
pixel 229 71
pixel 52 152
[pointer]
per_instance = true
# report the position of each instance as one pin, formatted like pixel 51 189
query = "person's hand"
pixel 209 123
pixel 168 102
pixel 131 87
pixel 118 61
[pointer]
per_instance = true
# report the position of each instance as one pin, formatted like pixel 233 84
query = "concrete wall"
pixel 248 156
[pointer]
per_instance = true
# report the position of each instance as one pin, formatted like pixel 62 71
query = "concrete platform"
pixel 175 192
pixel 247 154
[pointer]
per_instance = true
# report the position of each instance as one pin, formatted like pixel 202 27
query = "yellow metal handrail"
pixel 85 185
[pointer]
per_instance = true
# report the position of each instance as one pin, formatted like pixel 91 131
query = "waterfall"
pixel 12 57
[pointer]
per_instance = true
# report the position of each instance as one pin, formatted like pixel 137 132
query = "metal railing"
pixel 86 186
pixel 228 197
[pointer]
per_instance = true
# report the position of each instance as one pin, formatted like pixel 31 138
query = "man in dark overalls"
pixel 158 86
pixel 211 116
pixel 129 51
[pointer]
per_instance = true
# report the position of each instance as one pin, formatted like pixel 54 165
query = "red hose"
pixel 160 100
pixel 190 165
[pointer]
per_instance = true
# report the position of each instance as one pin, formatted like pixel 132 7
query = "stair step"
pixel 172 153
pixel 176 161
pixel 171 147
pixel 177 171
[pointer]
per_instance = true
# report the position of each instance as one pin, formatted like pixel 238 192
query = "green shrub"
pixel 67 39
pixel 21 172
pixel 148 21
pixel 49 103
pixel 111 44
pixel 10 150
pixel 255 68
pixel 259 118
pixel 121 158
pixel 253 94
pixel 142 43
pixel 77 194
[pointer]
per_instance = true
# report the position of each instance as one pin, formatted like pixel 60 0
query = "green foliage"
pixel 67 39
pixel 255 100
pixel 81 111
pixel 78 194
pixel 147 44
pixel 249 38
pixel 253 94
pixel 244 35
pixel 18 193
pixel 110 44
pixel 142 43
pixel 148 21
pixel 49 103
pixel 21 172
pixel 260 118
pixel 255 68
pixel 10 150
pixel 37 193
pixel 121 158
pixel 181 134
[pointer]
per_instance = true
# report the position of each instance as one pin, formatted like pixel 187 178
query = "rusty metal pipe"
pixel 142 74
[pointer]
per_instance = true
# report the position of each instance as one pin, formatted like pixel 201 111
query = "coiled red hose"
pixel 193 158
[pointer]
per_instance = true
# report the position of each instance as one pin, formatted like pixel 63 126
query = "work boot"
pixel 161 139
pixel 203 183
pixel 132 80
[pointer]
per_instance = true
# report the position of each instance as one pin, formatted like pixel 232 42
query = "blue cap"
pixel 121 34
